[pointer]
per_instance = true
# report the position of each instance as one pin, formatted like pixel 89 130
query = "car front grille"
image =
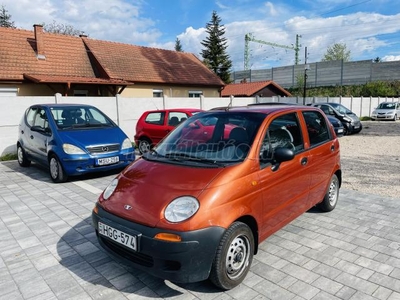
pixel 136 257
pixel 103 149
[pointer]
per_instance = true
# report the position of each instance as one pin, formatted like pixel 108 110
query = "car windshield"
pixel 386 106
pixel 78 117
pixel 342 109
pixel 210 138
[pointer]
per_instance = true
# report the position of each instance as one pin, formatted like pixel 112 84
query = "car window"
pixel 318 129
pixel 176 117
pixel 30 116
pixel 156 118
pixel 284 131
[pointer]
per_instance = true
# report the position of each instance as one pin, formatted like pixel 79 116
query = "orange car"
pixel 198 205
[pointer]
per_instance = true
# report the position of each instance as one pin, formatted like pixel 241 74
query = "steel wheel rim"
pixel 237 258
pixel 333 192
pixel 20 155
pixel 53 168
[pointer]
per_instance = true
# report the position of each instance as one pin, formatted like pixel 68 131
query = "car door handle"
pixel 304 161
pixel 31 137
pixel 333 148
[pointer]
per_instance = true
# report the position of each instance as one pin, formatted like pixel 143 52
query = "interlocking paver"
pixel 48 249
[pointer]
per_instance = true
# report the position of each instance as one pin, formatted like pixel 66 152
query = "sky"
pixel 368 28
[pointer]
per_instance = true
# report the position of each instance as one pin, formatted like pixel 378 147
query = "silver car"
pixel 386 111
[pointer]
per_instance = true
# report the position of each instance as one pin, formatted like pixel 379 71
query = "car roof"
pixel 175 109
pixel 61 105
pixel 265 108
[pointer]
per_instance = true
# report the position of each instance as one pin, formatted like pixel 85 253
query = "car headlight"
pixel 126 144
pixel 110 189
pixel 181 209
pixel 347 119
pixel 72 149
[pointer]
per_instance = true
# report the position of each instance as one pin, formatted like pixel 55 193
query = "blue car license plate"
pixel 107 160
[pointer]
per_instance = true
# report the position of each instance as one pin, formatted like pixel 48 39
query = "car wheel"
pixel 57 173
pixel 22 159
pixel 395 118
pixel 144 145
pixel 331 196
pixel 234 256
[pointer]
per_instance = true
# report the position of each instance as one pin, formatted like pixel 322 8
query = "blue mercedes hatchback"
pixel 72 139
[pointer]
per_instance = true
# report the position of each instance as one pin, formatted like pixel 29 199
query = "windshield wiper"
pixel 178 156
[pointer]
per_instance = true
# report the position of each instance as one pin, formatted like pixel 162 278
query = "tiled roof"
pixel 65 55
pixel 68 59
pixel 248 89
pixel 151 65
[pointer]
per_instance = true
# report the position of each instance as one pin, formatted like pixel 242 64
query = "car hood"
pixel 148 187
pixel 89 137
pixel 382 110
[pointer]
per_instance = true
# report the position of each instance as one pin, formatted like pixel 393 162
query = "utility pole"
pixel 306 67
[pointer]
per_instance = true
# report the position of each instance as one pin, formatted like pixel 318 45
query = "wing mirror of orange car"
pixel 280 154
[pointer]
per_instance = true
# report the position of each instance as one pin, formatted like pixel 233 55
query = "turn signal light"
pixel 169 237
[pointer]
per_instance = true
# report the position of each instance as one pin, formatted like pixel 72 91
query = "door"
pixel 37 135
pixel 284 187
pixel 322 154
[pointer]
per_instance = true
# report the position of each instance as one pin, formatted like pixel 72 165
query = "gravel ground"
pixel 371 159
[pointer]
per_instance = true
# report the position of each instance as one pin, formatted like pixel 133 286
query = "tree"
pixel 178 45
pixel 337 52
pixel 214 55
pixel 5 18
pixel 377 59
pixel 61 29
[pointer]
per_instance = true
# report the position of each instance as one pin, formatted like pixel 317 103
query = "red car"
pixel 154 125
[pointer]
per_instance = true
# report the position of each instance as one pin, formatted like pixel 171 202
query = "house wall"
pixel 141 90
pixel 125 111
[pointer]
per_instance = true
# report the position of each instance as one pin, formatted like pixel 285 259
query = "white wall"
pixel 126 111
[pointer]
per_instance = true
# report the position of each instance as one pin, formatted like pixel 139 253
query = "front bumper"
pixel 187 261
pixel 88 164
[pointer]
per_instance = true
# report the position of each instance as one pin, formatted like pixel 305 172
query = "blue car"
pixel 72 139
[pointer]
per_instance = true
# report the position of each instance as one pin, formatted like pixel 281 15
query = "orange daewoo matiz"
pixel 199 203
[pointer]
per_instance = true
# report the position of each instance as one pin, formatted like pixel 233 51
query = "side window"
pixel 41 119
pixel 284 131
pixel 156 118
pixel 318 129
pixel 30 116
pixel 176 117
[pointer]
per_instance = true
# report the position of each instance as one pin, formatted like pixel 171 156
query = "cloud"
pixel 391 57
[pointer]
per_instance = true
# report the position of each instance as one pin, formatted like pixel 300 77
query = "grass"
pixel 8 156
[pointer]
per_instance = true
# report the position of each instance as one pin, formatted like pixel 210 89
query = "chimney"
pixel 39 41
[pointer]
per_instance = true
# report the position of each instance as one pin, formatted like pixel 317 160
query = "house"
pixel 253 89
pixel 37 63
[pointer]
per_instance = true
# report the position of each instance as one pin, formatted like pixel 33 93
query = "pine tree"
pixel 5 19
pixel 178 45
pixel 214 55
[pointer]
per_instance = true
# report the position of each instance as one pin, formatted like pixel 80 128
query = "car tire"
pixel 395 118
pixel 22 159
pixel 332 195
pixel 233 257
pixel 144 145
pixel 56 170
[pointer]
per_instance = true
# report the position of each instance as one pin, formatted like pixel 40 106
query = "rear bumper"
pixel 187 261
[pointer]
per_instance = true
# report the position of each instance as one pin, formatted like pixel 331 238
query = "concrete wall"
pixel 326 73
pixel 126 111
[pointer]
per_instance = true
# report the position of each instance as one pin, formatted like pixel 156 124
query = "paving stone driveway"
pixel 48 249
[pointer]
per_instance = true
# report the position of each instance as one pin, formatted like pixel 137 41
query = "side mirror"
pixel 283 154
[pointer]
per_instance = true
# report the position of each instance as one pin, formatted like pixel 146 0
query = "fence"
pixel 126 111
pixel 328 73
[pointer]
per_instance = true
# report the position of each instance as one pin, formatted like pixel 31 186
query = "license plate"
pixel 340 130
pixel 118 236
pixel 107 160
